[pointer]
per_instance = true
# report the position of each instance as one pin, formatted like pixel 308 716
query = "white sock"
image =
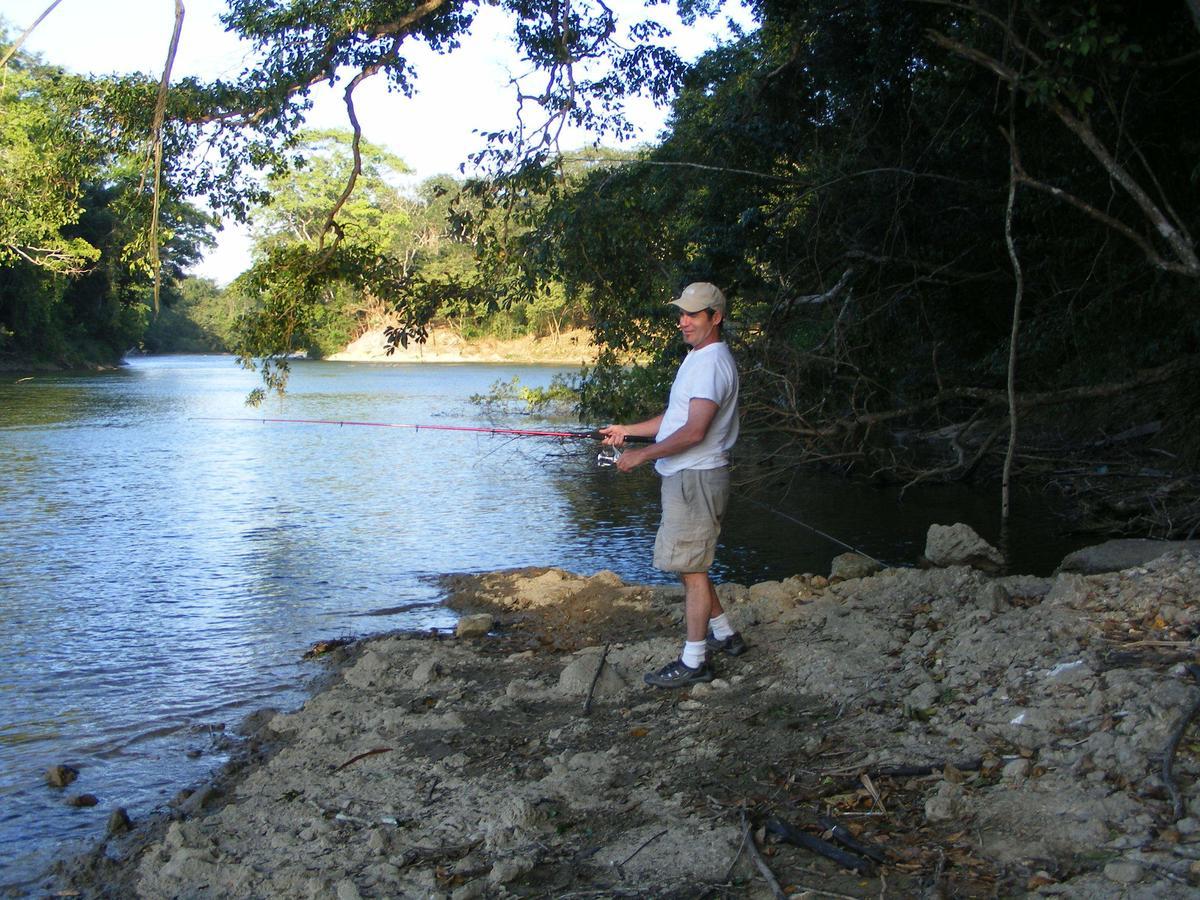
pixel 720 626
pixel 694 653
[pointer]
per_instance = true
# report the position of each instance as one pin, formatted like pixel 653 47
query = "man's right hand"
pixel 614 435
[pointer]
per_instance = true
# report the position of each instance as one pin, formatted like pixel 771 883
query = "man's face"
pixel 699 328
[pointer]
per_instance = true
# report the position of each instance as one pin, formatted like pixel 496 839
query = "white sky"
pixel 459 93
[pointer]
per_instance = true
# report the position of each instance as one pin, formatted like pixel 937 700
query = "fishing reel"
pixel 607 457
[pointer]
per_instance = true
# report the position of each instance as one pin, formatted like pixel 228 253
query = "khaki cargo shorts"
pixel 693 503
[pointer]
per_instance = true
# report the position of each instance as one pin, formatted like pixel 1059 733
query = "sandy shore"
pixel 446 346
pixel 985 735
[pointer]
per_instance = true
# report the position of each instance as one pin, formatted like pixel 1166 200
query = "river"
pixel 162 573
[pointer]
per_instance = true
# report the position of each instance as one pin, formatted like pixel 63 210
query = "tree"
pixel 75 213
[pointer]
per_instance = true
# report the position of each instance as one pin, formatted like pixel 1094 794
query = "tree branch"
pixel 156 130
pixel 25 34
pixel 1187 262
pixel 1018 294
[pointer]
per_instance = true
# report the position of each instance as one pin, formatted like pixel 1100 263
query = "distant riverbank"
pixel 447 346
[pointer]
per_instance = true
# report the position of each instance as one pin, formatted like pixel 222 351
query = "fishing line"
pixel 815 530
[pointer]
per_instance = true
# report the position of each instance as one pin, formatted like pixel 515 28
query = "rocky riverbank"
pixel 982 734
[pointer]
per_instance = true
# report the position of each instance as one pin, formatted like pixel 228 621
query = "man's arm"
pixel 701 413
pixel 615 434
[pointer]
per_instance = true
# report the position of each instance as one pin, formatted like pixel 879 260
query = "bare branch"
pixel 25 34
pixel 1018 294
pixel 156 130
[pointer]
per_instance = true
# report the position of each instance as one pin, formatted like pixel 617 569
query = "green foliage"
pixel 75 214
pixel 288 292
pixel 199 318
pixel 844 144
pixel 559 397
pixel 41 156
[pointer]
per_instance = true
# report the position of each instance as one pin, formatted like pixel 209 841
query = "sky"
pixel 433 132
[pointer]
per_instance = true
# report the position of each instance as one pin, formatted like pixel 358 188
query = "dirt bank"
pixel 445 345
pixel 989 735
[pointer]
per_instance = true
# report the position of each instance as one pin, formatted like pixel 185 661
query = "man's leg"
pixel 700 603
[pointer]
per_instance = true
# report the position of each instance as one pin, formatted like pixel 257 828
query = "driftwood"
pixel 797 838
pixel 1168 777
pixel 843 836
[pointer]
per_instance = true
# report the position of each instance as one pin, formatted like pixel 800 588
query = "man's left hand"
pixel 631 459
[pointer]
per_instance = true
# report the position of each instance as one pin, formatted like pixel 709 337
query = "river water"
pixel 161 574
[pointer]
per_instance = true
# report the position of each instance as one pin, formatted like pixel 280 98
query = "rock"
pixel 118 822
pixel 83 800
pixel 61 776
pixel 428 670
pixel 474 626
pixel 576 678
pixel 1125 553
pixel 180 797
pixel 771 592
pixel 257 721
pixel 924 697
pixel 1016 770
pixel 948 804
pixel 470 890
pixel 959 545
pixel 348 890
pixel 506 870
pixel 1123 872
pixel 853 565
pixel 993 597
pixel 198 800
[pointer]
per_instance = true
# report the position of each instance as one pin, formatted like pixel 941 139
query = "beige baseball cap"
pixel 701 295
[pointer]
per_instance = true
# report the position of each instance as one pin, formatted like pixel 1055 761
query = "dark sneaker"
pixel 676 674
pixel 733 645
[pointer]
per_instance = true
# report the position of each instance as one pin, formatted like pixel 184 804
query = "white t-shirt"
pixel 705 374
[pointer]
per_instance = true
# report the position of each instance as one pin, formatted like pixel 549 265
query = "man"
pixel 693 437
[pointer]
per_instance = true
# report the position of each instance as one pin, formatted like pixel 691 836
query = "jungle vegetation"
pixel 958 236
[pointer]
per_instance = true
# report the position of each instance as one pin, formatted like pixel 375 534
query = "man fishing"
pixel 693 437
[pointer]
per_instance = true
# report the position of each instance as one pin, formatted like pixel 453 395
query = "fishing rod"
pixel 517 432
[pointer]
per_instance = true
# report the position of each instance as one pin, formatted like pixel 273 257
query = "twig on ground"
pixel 741 847
pixel 373 752
pixel 646 843
pixel 1166 873
pixel 759 862
pixel 587 703
pixel 1177 802
pixel 874 792
pixel 935 889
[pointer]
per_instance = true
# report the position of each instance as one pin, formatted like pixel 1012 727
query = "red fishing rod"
pixel 517 432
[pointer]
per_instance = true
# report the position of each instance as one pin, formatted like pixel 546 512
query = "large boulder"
pixel 960 545
pixel 1124 553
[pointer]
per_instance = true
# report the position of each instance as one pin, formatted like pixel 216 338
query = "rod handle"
pixel 629 439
